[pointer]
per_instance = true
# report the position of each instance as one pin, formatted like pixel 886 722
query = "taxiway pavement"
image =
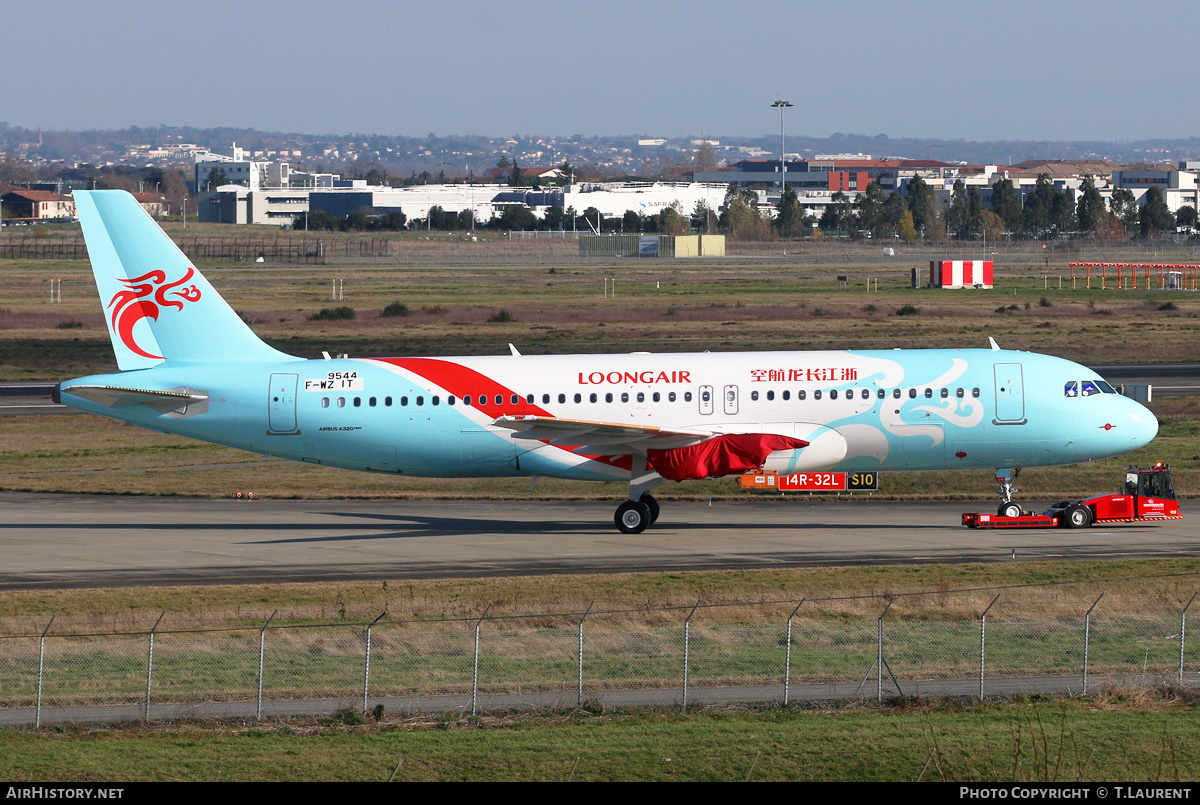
pixel 52 540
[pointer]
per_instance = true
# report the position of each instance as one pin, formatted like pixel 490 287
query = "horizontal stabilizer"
pixel 178 401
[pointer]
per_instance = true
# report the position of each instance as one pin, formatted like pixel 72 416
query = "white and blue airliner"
pixel 190 365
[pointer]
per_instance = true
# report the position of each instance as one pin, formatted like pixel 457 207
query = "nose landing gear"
pixel 1005 481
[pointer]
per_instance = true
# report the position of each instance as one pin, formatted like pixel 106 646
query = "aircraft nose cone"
pixel 1143 425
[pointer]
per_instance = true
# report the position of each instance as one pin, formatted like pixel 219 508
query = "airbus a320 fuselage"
pixel 190 365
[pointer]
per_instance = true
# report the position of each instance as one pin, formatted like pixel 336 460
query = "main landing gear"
pixel 1005 480
pixel 641 510
pixel 633 516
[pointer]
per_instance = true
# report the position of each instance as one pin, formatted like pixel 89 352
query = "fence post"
pixel 687 641
pixel 787 662
pixel 367 662
pixel 150 666
pixel 983 640
pixel 1087 635
pixel 579 699
pixel 475 667
pixel 262 644
pixel 879 654
pixel 37 718
pixel 1183 633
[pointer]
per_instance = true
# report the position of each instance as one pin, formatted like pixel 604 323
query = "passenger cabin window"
pixel 801 394
pixel 562 398
pixel 578 398
pixel 833 394
pixel 975 392
pixel 958 393
pixel 608 397
pixel 881 394
pixel 687 396
pixel 624 396
pixel 324 402
pixel 896 393
pixel 466 399
pixel 371 402
pixel 787 395
pixel 754 395
pixel 387 401
pixel 817 394
pixel 592 397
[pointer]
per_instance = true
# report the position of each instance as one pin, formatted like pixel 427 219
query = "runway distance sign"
pixel 829 482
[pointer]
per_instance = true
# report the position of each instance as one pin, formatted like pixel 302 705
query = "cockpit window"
pixel 1089 388
pixel 1107 389
pixel 1071 389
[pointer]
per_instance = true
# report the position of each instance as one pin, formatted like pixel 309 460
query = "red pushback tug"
pixel 1149 496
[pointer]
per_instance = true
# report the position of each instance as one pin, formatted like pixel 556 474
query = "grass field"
pixel 658 308
pixel 1153 738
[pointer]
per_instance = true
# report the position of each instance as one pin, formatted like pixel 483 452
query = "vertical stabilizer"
pixel 156 304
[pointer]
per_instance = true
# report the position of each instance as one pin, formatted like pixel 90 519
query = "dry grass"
pixel 660 307
pixel 1043 590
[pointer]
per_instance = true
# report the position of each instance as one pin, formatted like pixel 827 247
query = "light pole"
pixel 781 105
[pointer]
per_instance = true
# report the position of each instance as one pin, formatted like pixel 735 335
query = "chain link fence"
pixel 814 649
pixel 487 247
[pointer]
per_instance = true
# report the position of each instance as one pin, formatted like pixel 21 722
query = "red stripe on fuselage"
pixel 463 382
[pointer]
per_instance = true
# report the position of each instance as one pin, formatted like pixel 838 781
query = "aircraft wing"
pixel 600 438
pixel 168 401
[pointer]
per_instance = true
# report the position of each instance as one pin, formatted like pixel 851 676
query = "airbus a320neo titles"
pixel 190 365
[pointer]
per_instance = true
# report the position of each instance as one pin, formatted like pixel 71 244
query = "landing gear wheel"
pixel 652 504
pixel 632 517
pixel 1077 516
pixel 1010 509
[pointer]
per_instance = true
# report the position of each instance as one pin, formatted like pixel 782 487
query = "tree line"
pixel 1047 212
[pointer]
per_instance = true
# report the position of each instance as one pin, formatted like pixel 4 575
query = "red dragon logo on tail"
pixel 143 299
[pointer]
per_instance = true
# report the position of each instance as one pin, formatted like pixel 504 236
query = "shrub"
pixel 333 314
pixel 1044 302
pixel 1168 306
pixel 908 310
pixel 396 308
pixel 350 716
pixel 501 317
pixel 71 324
pixel 433 310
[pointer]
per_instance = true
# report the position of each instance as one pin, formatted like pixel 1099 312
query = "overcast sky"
pixel 1015 69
